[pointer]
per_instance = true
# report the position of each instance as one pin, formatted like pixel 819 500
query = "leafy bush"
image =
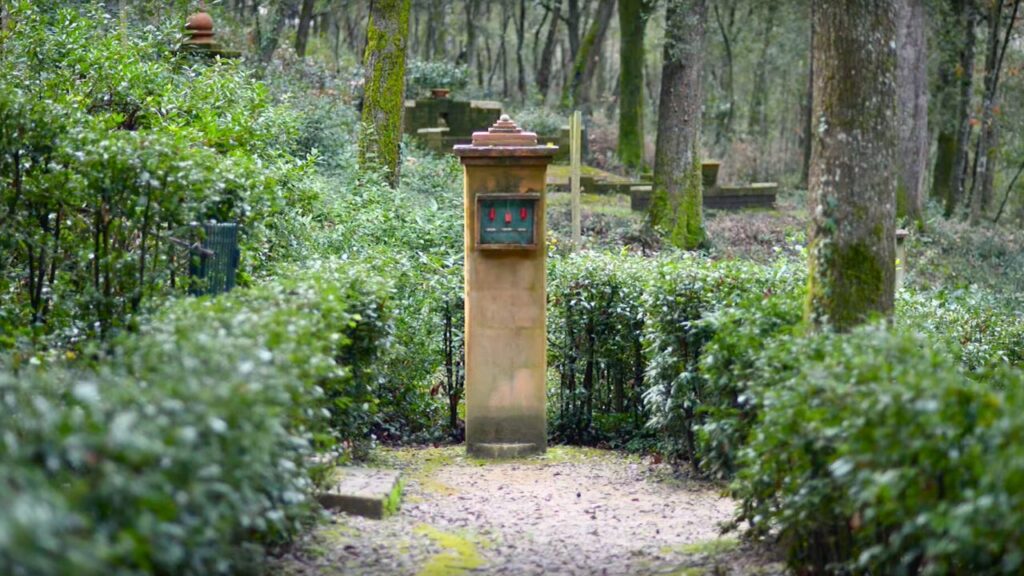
pixel 630 334
pixel 875 454
pixel 193 445
pixel 685 293
pixel 421 76
pixel 595 321
pixel 414 234
pixel 541 120
pixel 979 329
pixel 732 367
pixel 112 145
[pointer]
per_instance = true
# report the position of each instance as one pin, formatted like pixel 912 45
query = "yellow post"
pixel 506 297
pixel 575 154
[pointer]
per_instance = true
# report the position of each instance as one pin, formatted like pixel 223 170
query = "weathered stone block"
pixel 369 492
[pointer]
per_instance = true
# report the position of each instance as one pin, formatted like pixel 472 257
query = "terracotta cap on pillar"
pixel 505 139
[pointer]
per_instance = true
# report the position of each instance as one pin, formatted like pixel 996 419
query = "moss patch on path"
pixel 459 554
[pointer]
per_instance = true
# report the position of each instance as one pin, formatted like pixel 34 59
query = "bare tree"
pixel 548 53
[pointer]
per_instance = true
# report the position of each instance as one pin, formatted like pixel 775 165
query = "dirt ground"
pixel 572 511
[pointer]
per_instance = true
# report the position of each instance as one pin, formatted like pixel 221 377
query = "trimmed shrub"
pixel 875 454
pixel 193 446
pixel 628 335
pixel 595 324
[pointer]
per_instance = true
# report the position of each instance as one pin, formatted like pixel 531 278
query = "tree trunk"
pixel 912 107
pixel 853 166
pixel 573 23
pixel 275 21
pixel 677 198
pixel 985 155
pixel 384 87
pixel 726 26
pixel 757 122
pixel 472 12
pixel 437 18
pixel 805 173
pixel 576 94
pixel 506 18
pixel 520 40
pixel 969 18
pixel 632 22
pixel 548 53
pixel 302 34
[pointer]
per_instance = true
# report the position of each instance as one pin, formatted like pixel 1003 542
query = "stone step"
pixel 369 492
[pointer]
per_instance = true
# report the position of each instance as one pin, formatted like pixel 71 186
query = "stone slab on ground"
pixel 369 492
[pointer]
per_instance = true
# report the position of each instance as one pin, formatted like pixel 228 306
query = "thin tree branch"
pixel 1006 196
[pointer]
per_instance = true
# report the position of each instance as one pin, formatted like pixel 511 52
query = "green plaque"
pixel 507 221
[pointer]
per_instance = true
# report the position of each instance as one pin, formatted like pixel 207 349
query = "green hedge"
pixel 193 446
pixel 673 347
pixel 876 454
pixel 627 335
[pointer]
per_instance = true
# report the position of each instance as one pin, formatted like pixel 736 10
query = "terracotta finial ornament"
pixel 199 29
pixel 504 132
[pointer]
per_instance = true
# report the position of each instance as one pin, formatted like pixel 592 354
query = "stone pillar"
pixel 506 296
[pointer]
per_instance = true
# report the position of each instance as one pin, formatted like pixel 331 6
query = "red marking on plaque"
pixel 491 215
pixel 522 213
pixel 508 217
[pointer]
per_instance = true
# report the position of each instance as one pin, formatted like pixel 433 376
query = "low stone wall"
pixel 443 123
pixel 758 195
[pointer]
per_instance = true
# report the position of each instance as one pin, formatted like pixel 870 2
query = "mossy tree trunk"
pixel 633 15
pixel 969 20
pixel 276 19
pixel 853 168
pixel 947 42
pixel 384 87
pixel 547 55
pixel 912 107
pixel 677 199
pixel 576 92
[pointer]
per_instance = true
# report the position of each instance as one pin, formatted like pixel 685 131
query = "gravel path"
pixel 572 511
